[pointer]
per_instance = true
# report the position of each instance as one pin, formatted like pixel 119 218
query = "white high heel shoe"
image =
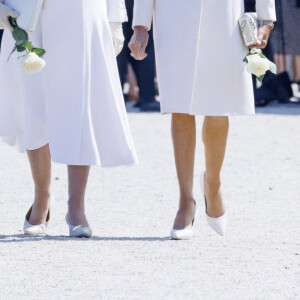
pixel 40 229
pixel 187 233
pixel 78 231
pixel 219 225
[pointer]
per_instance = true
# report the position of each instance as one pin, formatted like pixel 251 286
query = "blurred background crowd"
pixel 284 50
pixel 138 78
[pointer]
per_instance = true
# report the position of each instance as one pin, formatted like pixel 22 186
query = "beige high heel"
pixel 40 229
pixel 78 231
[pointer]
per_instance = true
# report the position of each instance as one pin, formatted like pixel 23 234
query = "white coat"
pixel 76 103
pixel 199 53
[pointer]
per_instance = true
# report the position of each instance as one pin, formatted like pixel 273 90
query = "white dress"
pixel 199 52
pixel 75 104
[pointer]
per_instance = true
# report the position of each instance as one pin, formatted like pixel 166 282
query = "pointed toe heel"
pixel 186 233
pixel 219 225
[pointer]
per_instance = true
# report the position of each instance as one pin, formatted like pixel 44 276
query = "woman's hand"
pixel 139 42
pixel 5 13
pixel 116 29
pixel 263 35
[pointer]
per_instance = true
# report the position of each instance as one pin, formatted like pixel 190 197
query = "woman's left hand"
pixel 116 29
pixel 263 35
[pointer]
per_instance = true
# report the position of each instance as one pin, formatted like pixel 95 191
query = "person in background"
pixel 286 39
pixel 250 5
pixel 133 91
pixel 285 44
pixel 144 70
pixel 296 70
pixel 1 33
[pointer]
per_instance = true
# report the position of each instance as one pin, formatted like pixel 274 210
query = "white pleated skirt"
pixel 75 104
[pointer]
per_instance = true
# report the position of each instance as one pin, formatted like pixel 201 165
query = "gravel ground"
pixel 131 211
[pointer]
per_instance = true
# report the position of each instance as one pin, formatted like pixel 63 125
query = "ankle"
pixel 212 184
pixel 41 201
pixel 42 194
pixel 77 216
pixel 75 208
pixel 186 202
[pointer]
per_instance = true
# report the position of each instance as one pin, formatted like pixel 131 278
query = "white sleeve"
pixel 266 10
pixel 143 13
pixel 116 11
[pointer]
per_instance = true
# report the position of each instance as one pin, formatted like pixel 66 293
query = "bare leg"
pixel 40 162
pixel 214 135
pixel 281 62
pixel 78 177
pixel 297 67
pixel 133 86
pixel 184 141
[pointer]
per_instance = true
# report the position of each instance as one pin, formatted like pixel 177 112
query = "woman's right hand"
pixel 5 13
pixel 139 42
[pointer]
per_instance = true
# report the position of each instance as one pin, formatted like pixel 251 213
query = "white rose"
pixel 33 63
pixel 257 65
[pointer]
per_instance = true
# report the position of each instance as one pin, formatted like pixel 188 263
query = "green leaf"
pixel 261 78
pixel 20 42
pixel 262 55
pixel 28 45
pixel 13 50
pixel 273 67
pixel 13 22
pixel 39 51
pixel 20 35
pixel 245 60
pixel 20 48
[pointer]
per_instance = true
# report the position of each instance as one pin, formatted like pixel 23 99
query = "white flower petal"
pixel 33 63
pixel 257 65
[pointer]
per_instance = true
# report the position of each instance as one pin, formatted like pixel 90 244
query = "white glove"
pixel 5 13
pixel 116 29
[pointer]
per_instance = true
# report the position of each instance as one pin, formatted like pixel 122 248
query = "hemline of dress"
pixel 21 149
pixel 234 114
pixel 97 164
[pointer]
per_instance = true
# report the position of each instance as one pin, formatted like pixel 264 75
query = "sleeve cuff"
pixel 116 11
pixel 143 13
pixel 266 10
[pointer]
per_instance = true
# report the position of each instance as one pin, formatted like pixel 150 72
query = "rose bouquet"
pixel 258 64
pixel 33 61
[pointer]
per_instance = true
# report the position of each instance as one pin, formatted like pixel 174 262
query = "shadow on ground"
pixel 19 238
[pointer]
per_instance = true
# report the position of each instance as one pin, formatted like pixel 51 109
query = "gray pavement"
pixel 131 211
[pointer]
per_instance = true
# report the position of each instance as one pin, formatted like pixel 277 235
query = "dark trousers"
pixel 250 5
pixel 1 33
pixel 144 70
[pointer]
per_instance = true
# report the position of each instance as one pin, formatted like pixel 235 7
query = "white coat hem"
pixel 209 114
pixel 14 141
pixel 111 165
